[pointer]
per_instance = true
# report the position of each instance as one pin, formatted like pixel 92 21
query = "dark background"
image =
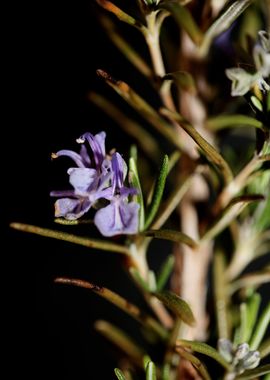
pixel 58 47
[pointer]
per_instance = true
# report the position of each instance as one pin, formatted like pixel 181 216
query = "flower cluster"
pixel 243 81
pixel 241 357
pixel 99 177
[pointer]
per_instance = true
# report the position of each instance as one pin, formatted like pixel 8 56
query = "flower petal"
pixel 97 144
pixel 241 81
pixel 71 208
pixel 82 178
pixel 117 218
pixel 119 171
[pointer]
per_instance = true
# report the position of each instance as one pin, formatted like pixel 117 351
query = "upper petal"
pixel 97 144
pixel 82 178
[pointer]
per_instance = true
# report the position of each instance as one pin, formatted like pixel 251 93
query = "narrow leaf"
pixel 158 192
pixel 221 298
pixel 172 235
pixel 86 242
pixel 243 333
pixel 252 279
pixel 235 207
pixel 253 305
pixel 183 80
pixel 231 121
pixel 135 182
pixel 118 301
pixel 196 363
pixel 119 374
pixel 184 19
pixel 146 142
pixel 121 15
pixel 261 328
pixel 142 107
pixel 121 340
pixel 208 150
pixel 223 22
pixel 177 305
pixel 151 371
pixel 252 374
pixel 205 349
pixel 165 272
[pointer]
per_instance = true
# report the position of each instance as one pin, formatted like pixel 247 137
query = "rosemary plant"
pixel 197 175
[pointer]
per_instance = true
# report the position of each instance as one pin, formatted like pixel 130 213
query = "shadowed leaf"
pixel 142 107
pixel 196 363
pixel 184 19
pixel 121 340
pixel 172 235
pixel 254 373
pixel 177 305
pixel 205 349
pixel 118 301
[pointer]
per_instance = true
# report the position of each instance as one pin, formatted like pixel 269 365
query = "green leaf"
pixel 146 360
pixel 184 19
pixel 221 296
pixel 182 79
pixel 118 301
pixel 196 363
pixel 151 371
pixel 243 332
pixel 208 150
pixel 231 121
pixel 261 328
pixel 142 107
pixel 205 349
pixel 119 374
pixel 165 272
pixel 254 373
pixel 121 340
pixel 144 139
pixel 86 242
pixel 253 306
pixel 172 235
pixel 135 182
pixel 223 22
pixel 235 207
pixel 177 305
pixel 158 192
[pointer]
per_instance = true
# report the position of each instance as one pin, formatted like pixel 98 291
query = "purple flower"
pixel 120 216
pixel 89 181
pixel 94 178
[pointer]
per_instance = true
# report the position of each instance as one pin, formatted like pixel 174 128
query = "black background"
pixel 56 49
